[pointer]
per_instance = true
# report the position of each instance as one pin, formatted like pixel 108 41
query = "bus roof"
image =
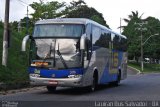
pixel 75 21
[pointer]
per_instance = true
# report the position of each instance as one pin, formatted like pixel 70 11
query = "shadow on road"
pixel 79 91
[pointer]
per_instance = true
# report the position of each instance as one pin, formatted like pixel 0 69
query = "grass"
pixel 16 70
pixel 147 67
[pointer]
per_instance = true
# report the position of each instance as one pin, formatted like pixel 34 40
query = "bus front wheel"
pixel 51 88
pixel 94 84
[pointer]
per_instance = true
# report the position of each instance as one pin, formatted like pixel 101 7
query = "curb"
pixel 139 72
pixel 10 86
pixel 24 89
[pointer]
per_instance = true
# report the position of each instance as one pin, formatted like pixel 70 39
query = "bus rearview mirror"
pixel 24 43
pixel 82 42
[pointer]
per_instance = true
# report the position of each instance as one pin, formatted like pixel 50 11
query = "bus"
pixel 75 52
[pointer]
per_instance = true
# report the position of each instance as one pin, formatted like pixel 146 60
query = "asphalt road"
pixel 137 87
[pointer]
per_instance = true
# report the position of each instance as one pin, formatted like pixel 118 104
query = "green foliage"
pixel 46 11
pixel 24 25
pixel 152 46
pixel 147 67
pixel 98 19
pixel 76 9
pixel 133 35
pixel 16 70
pixel 43 10
pixel 79 9
pixel 134 15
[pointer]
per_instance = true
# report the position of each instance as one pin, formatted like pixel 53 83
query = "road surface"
pixel 137 87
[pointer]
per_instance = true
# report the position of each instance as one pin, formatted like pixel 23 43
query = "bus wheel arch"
pixel 119 76
pixel 94 84
pixel 116 83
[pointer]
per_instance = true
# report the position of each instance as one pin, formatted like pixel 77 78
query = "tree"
pixel 133 35
pixel 134 15
pixel 79 9
pixel 76 9
pixel 46 10
pixel 151 47
pixel 14 25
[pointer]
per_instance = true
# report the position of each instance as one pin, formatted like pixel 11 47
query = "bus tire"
pixel 94 84
pixel 51 89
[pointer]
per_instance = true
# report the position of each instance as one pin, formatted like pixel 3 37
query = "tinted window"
pixel 116 42
pixel 58 30
pixel 96 32
pixel 104 39
pixel 124 44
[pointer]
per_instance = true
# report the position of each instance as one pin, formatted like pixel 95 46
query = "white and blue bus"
pixel 75 52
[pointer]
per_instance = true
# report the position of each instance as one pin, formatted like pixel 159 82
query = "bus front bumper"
pixel 64 82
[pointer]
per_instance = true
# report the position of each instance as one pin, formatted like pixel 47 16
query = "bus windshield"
pixel 58 53
pixel 58 30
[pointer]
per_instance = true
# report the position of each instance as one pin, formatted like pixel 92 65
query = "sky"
pixel 112 10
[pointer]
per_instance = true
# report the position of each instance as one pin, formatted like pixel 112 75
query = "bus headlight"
pixel 74 76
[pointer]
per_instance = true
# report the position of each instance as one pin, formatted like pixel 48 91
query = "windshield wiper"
pixel 60 55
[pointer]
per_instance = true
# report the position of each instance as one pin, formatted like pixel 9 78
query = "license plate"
pixel 53 82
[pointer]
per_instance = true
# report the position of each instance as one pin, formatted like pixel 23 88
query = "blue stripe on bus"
pixel 106 77
pixel 57 73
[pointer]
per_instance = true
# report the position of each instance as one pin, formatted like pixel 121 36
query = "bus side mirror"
pixel 83 42
pixel 24 42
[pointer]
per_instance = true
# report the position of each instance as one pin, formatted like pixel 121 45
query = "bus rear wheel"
pixel 51 89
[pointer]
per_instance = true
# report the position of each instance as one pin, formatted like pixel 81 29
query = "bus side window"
pixel 120 43
pixel 116 42
pixel 104 39
pixel 96 32
pixel 112 40
pixel 88 30
pixel 108 38
pixel 124 44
